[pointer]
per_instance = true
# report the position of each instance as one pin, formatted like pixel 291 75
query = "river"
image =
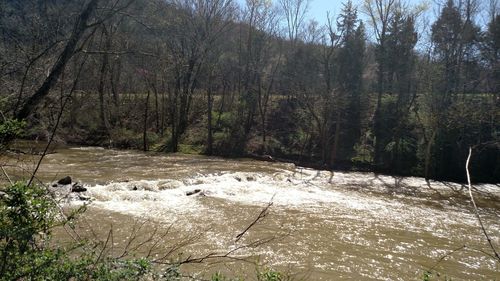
pixel 320 226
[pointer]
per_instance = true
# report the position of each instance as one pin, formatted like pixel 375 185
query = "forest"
pixel 381 86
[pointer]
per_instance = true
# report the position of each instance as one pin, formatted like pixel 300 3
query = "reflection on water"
pixel 357 226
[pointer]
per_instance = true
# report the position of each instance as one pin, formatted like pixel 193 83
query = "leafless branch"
pixel 110 234
pixel 442 258
pixel 6 175
pixel 476 211
pixel 262 215
pixel 117 53
pixel 228 254
pixel 56 126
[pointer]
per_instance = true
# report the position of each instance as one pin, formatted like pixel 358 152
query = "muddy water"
pixel 322 226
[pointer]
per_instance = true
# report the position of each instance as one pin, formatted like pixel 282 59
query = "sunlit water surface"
pixel 321 226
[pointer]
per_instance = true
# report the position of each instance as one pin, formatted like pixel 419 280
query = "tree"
pixel 259 58
pixel 380 14
pixel 81 25
pixel 454 35
pixel 198 27
pixel 491 54
pixel 398 141
pixel 447 37
pixel 350 60
pixel 294 12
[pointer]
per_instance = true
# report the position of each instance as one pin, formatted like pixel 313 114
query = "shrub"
pixel 28 214
pixel 27 217
pixel 9 130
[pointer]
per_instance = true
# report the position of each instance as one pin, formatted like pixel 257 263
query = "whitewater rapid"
pixel 330 225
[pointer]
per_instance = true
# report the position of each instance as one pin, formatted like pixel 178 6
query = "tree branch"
pixel 476 210
pixel 262 215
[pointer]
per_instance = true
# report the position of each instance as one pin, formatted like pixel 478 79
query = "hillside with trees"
pixel 378 87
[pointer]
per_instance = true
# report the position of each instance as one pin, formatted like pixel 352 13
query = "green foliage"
pixel 27 217
pixel 428 276
pixel 9 130
pixel 218 277
pixel 28 214
pixel 223 120
pixel 24 212
pixel 190 149
pixel 271 275
pixel 266 275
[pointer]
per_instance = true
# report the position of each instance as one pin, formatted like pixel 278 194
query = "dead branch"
pixel 262 215
pixel 7 175
pixel 476 211
pixel 228 254
pixel 443 257
pixel 158 240
pixel 110 234
pixel 135 233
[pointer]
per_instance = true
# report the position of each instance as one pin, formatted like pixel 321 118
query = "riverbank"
pixel 36 147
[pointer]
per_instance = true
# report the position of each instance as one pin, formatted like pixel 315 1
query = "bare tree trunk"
pixel 116 74
pixel 145 131
pixel 80 27
pixel 163 108
pixel 104 67
pixel 428 155
pixel 336 139
pixel 209 123
pixel 378 116
pixel 222 103
pixel 175 115
pixel 157 110
pixel 262 114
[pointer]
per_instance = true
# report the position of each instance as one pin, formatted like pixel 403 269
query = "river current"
pixel 322 225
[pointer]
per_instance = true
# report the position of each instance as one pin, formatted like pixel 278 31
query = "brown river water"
pixel 321 226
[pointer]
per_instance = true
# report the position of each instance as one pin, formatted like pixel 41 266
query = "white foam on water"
pixel 88 148
pixel 304 190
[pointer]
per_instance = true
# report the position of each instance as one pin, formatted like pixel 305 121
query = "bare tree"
pixel 294 12
pixel 86 20
pixel 199 26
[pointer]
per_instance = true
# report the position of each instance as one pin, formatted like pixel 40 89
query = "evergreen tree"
pixel 350 62
pixel 447 37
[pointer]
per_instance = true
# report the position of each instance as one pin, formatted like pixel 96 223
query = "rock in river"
pixel 189 193
pixel 65 180
pixel 78 188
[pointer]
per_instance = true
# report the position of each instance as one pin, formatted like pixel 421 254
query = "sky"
pixel 319 8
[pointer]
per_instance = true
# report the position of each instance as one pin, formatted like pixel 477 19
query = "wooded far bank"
pixel 221 78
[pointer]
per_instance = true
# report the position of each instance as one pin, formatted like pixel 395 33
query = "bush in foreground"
pixel 28 216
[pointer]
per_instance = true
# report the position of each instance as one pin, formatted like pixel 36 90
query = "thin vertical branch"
pixel 7 175
pixel 475 207
pixel 56 126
